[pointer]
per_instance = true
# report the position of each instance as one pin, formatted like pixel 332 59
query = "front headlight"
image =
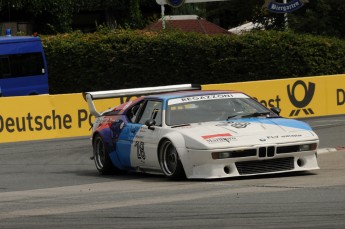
pixel 308 147
pixel 224 155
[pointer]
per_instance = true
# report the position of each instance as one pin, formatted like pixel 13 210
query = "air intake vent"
pixel 266 151
pixel 265 166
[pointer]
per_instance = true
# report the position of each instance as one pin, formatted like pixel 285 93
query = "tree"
pixel 49 16
pixel 232 13
pixel 55 16
pixel 318 17
pixel 121 13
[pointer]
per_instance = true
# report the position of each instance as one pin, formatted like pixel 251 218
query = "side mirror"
pixel 276 110
pixel 150 123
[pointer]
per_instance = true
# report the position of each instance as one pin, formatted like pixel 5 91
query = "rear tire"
pixel 101 157
pixel 170 162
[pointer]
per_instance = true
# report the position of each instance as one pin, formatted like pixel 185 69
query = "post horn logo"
pixel 301 104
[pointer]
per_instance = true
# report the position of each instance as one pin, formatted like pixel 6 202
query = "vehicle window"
pixel 4 67
pixel 210 108
pixel 19 65
pixel 133 112
pixel 152 110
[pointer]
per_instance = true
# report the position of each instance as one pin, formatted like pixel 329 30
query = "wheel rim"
pixel 99 153
pixel 169 158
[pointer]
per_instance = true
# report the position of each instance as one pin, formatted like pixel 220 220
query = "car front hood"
pixel 245 132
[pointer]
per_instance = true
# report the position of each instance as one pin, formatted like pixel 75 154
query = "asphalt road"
pixel 54 184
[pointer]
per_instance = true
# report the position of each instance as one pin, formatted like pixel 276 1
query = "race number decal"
pixel 140 150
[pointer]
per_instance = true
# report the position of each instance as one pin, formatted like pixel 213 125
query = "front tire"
pixel 170 162
pixel 101 157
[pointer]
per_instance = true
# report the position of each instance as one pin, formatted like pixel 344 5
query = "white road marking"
pixel 330 150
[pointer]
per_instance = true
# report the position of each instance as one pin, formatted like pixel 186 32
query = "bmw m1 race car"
pixel 183 132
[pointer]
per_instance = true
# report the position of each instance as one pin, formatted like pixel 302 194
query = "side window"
pixel 133 112
pixel 4 67
pixel 25 64
pixel 152 110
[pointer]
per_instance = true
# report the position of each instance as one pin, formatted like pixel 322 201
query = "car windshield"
pixel 215 107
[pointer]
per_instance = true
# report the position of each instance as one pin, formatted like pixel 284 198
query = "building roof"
pixel 187 23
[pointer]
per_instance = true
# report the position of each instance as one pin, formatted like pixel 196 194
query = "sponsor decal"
pixel 206 97
pixel 272 137
pixel 216 135
pixel 238 125
pixel 288 7
pixel 301 104
pixel 291 136
pixel 281 136
pixel 219 138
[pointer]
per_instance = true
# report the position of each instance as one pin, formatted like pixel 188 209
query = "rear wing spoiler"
pixel 90 96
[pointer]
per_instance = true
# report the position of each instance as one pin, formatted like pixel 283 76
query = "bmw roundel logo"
pixel 175 3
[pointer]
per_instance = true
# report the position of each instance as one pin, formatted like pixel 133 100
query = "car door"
pixel 145 139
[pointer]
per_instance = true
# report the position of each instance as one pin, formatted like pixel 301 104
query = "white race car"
pixel 181 131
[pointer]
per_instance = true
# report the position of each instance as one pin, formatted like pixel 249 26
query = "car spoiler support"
pixel 90 96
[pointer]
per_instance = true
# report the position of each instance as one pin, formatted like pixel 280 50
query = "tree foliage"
pixel 318 17
pixel 50 16
pixel 233 12
pixel 55 16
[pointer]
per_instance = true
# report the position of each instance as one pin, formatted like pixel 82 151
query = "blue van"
pixel 23 66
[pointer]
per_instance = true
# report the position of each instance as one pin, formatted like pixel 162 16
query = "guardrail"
pixel 57 116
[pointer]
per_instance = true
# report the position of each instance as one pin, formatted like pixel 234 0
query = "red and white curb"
pixel 330 150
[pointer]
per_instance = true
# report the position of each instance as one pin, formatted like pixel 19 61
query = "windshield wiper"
pixel 256 114
pixel 232 116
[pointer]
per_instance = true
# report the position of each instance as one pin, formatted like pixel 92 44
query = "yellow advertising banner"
pixel 39 117
pixel 27 118
pixel 296 97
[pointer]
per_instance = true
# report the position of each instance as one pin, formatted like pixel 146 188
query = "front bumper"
pixel 201 163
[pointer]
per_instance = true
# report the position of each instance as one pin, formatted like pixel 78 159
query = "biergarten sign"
pixel 283 8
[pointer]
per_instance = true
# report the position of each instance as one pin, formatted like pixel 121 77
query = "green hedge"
pixel 125 59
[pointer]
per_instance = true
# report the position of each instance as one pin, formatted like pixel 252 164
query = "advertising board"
pixel 39 117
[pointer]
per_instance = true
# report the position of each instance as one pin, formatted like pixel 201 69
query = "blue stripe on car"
pixel 277 121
